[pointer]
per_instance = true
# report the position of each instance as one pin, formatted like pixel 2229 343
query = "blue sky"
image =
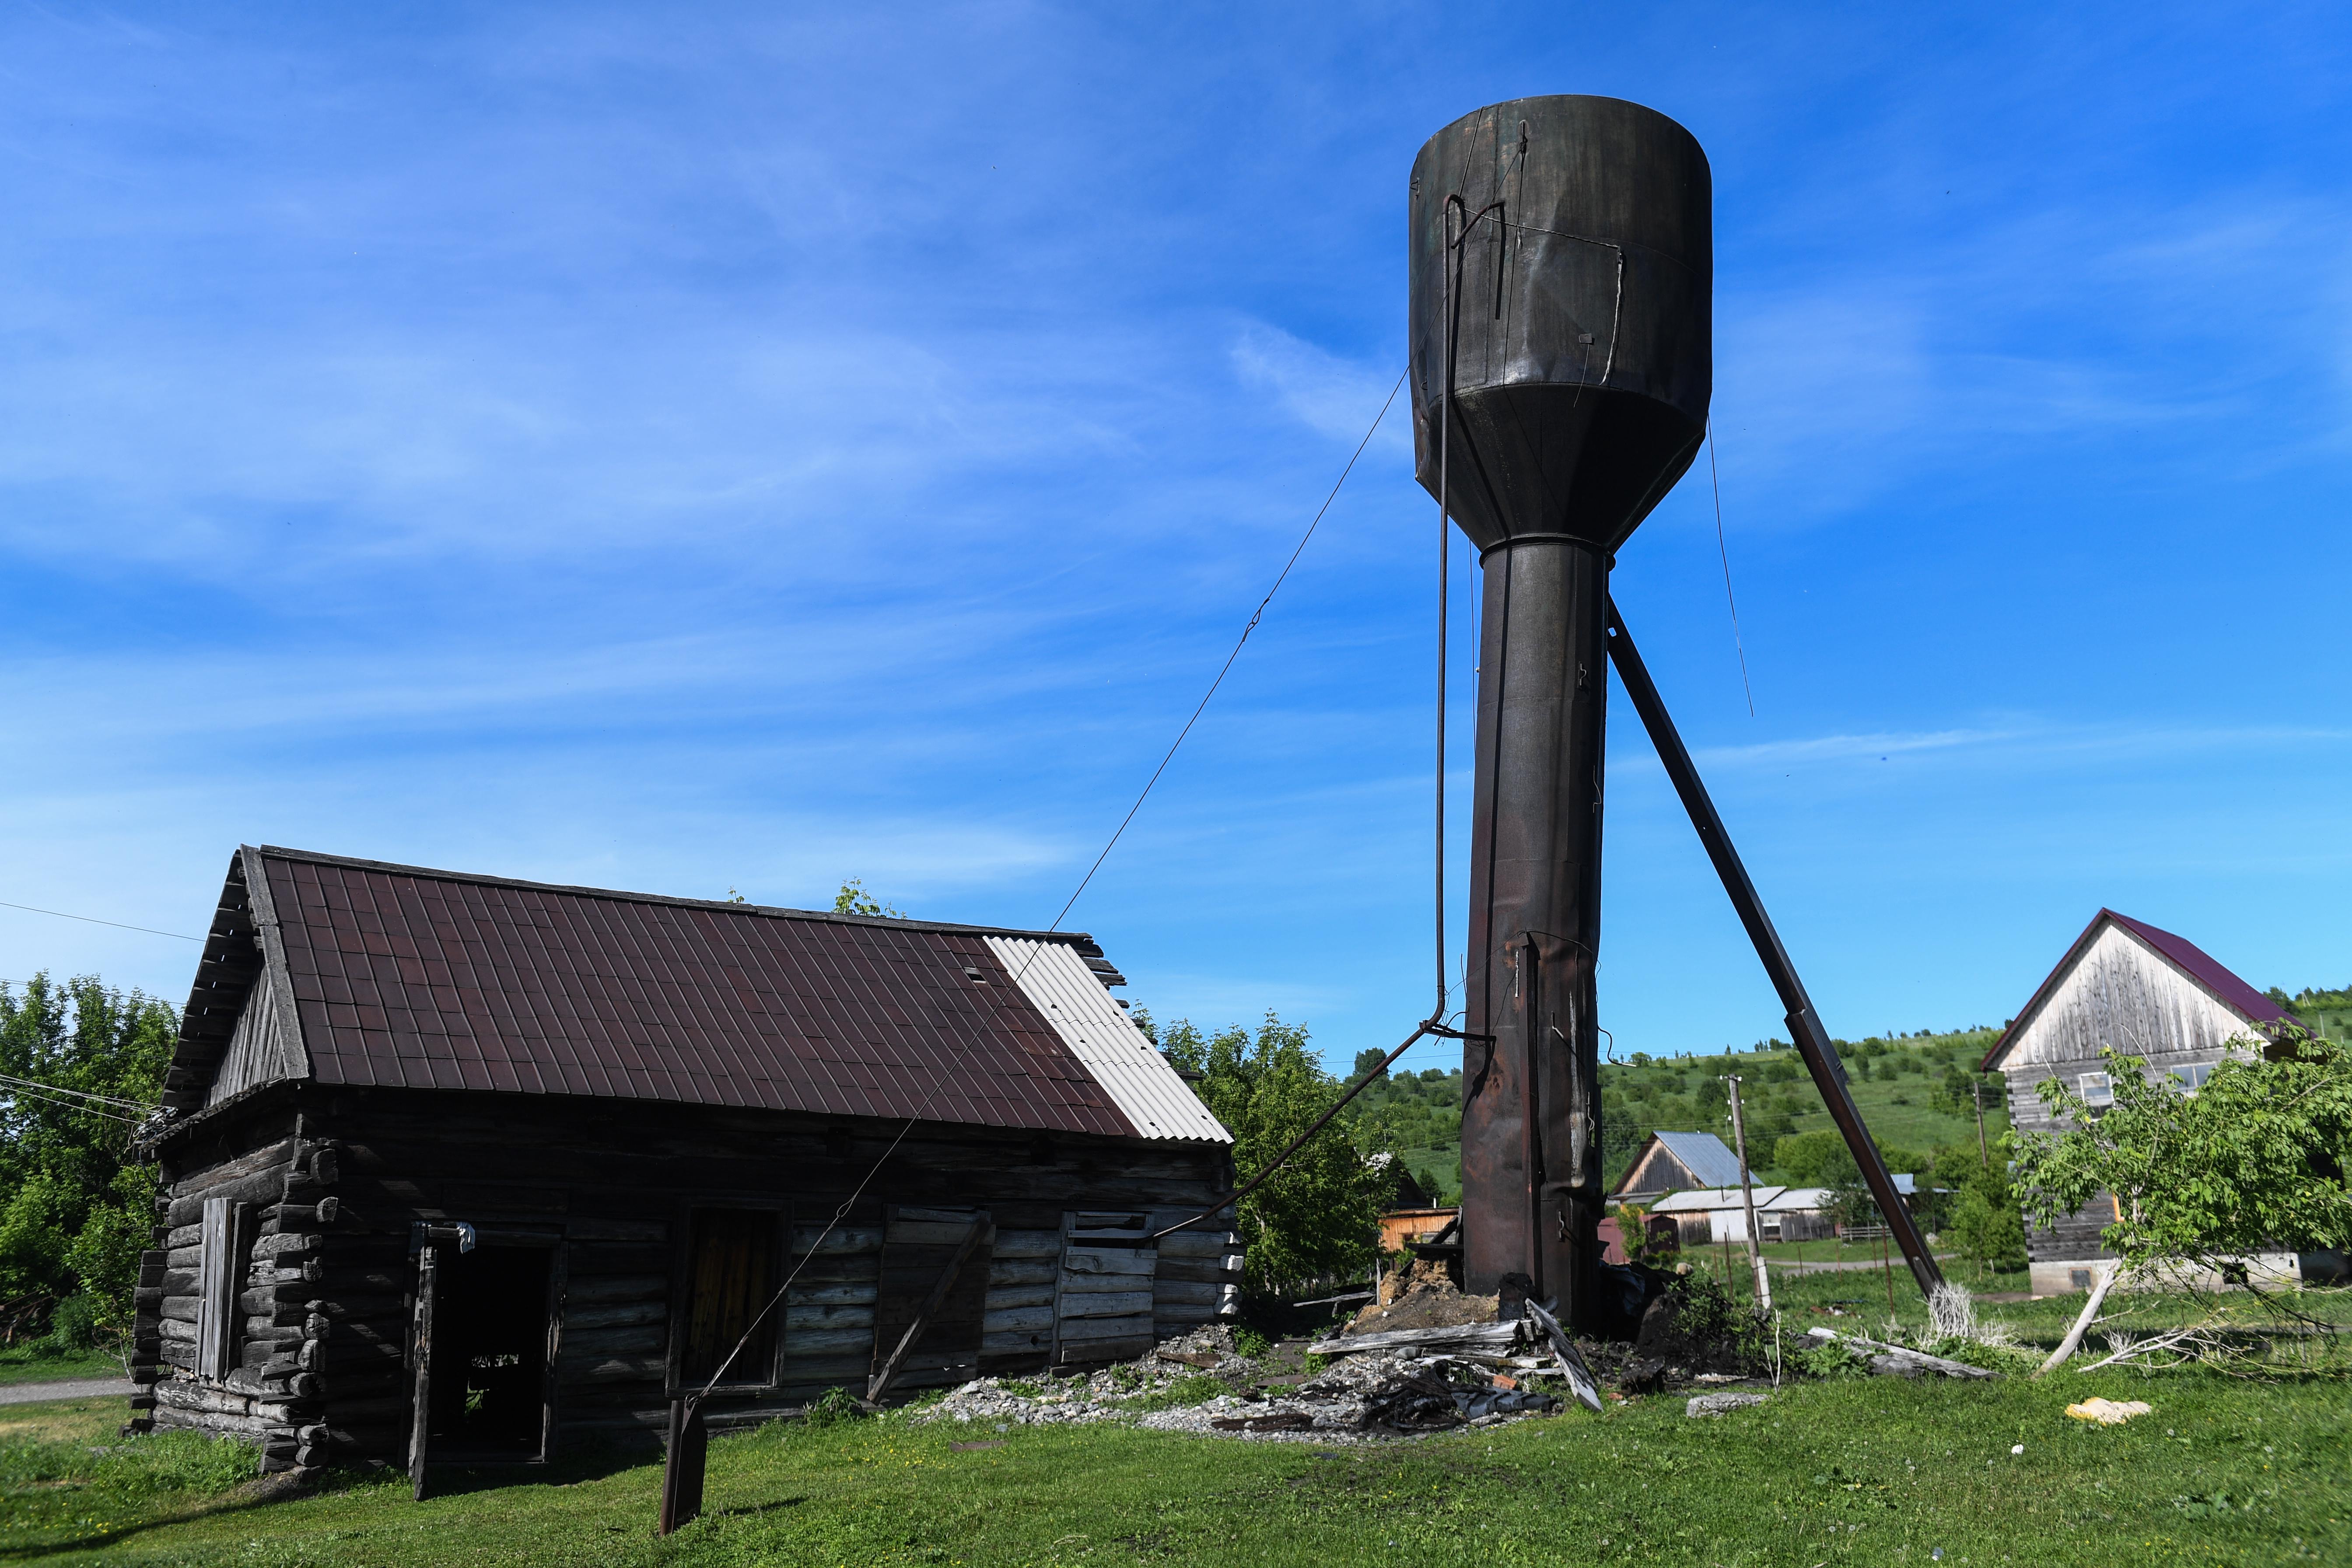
pixel 690 447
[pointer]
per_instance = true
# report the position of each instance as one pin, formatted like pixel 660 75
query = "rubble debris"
pixel 1372 1396
pixel 1423 1297
pixel 1720 1403
pixel 1499 1338
pixel 1896 1361
pixel 2110 1412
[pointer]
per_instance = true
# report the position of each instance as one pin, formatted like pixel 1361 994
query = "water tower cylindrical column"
pixel 1561 363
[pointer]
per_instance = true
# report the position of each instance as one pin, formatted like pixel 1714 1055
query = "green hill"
pixel 1914 1092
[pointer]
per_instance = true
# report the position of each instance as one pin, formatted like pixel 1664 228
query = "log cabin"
pixel 2146 993
pixel 466 1167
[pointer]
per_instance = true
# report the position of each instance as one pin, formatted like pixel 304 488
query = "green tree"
pixel 1985 1223
pixel 2254 1159
pixel 75 1210
pixel 854 900
pixel 1319 1216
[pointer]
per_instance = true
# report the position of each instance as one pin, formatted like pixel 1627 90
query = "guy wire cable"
pixel 1256 616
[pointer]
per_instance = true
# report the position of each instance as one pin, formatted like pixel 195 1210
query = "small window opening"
pixel 2194 1076
pixel 489 1320
pixel 2098 1089
pixel 731 1272
pixel 969 973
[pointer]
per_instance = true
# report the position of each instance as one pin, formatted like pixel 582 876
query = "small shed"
pixel 1675 1162
pixel 462 1167
pixel 1706 1215
pixel 2146 993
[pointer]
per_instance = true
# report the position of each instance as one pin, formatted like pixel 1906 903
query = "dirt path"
pixel 74 1388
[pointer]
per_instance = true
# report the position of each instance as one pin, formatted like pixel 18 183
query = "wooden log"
pixel 1167 1292
pixel 1005 1320
pixel 1198 1244
pixel 1105 1304
pixel 1466 1336
pixel 1894 1361
pixel 365 1441
pixel 1080 1260
pixel 1080 1329
pixel 828 1342
pixel 373 1408
pixel 934 1233
pixel 1097 1284
pixel 286 1243
pixel 177 1395
pixel 178 1308
pixel 277 1156
pixel 1005 1341
pixel 1197 1270
pixel 356 1304
pixel 613 1315
pixel 1019 1296
pixel 1023 1244
pixel 1022 1271
pixel 844 1239
pixel 846 1316
pixel 857 1295
pixel 259 1188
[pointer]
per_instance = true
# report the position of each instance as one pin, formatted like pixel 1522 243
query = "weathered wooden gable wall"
pixel 2121 994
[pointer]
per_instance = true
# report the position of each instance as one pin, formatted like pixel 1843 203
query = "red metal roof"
pixel 2194 960
pixel 420 979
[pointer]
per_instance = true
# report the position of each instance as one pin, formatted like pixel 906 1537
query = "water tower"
pixel 1561 341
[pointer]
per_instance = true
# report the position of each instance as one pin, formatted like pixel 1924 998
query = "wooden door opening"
pixel 488 1393
pixel 734 1262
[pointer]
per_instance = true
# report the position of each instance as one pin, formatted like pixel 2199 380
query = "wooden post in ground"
pixel 1984 1153
pixel 1747 1200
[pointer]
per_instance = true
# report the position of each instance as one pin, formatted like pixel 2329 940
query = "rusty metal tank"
pixel 1579 318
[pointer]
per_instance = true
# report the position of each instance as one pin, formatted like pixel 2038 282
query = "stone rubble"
pixel 1373 1397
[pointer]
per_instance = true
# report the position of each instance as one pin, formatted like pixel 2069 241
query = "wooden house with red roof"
pixel 458 1167
pixel 2146 993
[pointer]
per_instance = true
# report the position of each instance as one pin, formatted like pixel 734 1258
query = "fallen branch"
pixel 2073 1340
pixel 1900 1362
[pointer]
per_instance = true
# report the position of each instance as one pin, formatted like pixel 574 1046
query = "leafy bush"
pixel 1827 1358
pixel 1248 1341
pixel 831 1408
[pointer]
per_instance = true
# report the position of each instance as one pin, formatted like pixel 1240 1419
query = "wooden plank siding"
pixel 336 1178
pixel 2118 992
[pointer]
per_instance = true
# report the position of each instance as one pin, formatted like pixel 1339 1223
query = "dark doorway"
pixel 489 1354
pixel 732 1267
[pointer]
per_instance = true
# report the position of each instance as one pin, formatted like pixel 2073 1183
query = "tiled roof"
pixel 420 979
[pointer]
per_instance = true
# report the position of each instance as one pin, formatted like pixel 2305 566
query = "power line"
pixel 1256 616
pixel 93 920
pixel 1722 550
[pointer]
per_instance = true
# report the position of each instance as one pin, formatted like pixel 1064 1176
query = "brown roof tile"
pixel 431 979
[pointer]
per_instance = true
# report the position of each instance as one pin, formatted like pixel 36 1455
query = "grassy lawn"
pixel 1862 1470
pixel 20 1365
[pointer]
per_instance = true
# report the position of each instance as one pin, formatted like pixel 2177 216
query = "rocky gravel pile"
pixel 1371 1398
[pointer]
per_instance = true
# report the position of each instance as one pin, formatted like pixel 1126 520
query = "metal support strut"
pixel 1804 1026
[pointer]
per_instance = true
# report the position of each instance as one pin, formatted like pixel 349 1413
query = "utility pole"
pixel 1984 1153
pixel 1747 1200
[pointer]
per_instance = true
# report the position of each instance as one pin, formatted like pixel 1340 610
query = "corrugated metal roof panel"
pixel 408 977
pixel 1704 1155
pixel 1100 1035
pixel 1699 1200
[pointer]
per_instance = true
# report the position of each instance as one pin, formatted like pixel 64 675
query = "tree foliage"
pixel 75 1212
pixel 2254 1159
pixel 1318 1217
pixel 854 900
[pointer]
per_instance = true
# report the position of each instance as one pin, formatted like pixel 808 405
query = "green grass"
pixel 1860 1470
pixel 23 1363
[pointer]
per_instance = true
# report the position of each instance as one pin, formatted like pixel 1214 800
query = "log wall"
pixel 338 1178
